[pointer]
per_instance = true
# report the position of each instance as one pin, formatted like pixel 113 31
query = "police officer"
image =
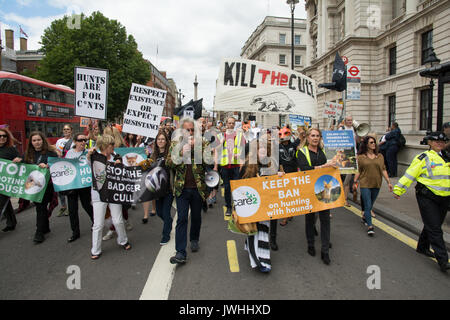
pixel 431 170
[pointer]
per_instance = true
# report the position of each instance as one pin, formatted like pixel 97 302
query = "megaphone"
pixel 212 178
pixel 361 129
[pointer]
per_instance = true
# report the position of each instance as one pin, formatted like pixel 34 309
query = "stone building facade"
pixel 390 41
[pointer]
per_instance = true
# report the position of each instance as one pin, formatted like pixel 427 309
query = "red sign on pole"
pixel 345 59
pixel 354 71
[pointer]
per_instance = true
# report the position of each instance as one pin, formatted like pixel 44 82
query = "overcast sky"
pixel 191 36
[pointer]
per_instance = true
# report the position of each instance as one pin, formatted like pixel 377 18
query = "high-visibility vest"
pixel 236 151
pixel 305 151
pixel 429 169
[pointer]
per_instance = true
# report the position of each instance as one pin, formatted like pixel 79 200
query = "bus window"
pixel 31 126
pixel 31 90
pixel 70 99
pixel 10 86
pixel 49 94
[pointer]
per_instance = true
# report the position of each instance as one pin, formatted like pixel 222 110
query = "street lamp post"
pixel 292 4
pixel 431 59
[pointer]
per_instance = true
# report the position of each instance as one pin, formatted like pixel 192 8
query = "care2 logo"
pixel 246 201
pixel 63 173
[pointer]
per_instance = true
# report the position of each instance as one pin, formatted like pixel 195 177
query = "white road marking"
pixel 160 279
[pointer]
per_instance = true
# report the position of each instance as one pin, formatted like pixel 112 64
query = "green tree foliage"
pixel 98 43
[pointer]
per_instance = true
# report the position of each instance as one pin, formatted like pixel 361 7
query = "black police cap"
pixel 436 136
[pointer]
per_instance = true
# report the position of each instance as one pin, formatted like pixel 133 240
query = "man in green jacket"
pixel 189 186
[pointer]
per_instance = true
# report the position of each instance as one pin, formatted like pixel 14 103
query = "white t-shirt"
pixel 72 154
pixel 61 143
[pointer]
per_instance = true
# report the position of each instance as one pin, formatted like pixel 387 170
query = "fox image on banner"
pixel 256 86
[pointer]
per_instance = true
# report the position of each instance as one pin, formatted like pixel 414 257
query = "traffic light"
pixel 339 76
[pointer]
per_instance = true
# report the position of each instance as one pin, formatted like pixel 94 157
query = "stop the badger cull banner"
pixel 117 183
pixel 26 181
pixel 256 86
pixel 294 194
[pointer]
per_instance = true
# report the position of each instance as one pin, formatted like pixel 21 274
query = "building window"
pixel 282 59
pixel 392 61
pixel 424 103
pixel 392 110
pixel 298 60
pixel 282 38
pixel 427 44
pixel 297 39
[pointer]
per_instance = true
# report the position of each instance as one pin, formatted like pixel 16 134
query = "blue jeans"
pixel 189 198
pixel 369 195
pixel 227 175
pixel 163 208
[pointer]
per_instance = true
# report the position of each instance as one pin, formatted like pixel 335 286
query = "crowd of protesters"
pixel 229 149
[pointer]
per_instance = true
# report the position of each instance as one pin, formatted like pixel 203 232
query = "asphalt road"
pixel 32 271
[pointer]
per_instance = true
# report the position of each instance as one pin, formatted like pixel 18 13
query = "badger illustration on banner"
pixel 273 102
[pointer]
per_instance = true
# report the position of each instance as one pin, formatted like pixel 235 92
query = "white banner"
pixel 254 86
pixel 332 110
pixel 91 92
pixel 144 111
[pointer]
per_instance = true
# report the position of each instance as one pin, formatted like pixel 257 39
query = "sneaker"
pixel 62 212
pixel 228 213
pixel 194 246
pixel 128 226
pixel 264 269
pixel 109 235
pixel 164 242
pixel 39 237
pixel 370 232
pixel 178 259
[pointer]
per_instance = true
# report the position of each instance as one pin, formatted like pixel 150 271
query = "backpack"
pixel 401 141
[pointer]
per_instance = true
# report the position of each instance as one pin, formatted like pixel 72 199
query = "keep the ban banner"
pixel 70 174
pixel 294 194
pixel 26 181
pixel 256 86
pixel 144 111
pixel 91 92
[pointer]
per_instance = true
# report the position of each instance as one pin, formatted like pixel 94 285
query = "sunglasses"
pixel 3 136
pixel 82 140
pixel 372 142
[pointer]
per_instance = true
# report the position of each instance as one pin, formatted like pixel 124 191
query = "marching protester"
pixel 431 170
pixel 94 131
pixel 392 147
pixel 258 245
pixel 37 152
pixel 163 204
pixel 63 145
pixel 347 179
pixel 233 144
pixel 310 157
pixel 189 189
pixel 105 144
pixel 131 140
pixel 371 171
pixel 287 158
pixel 8 152
pixel 75 195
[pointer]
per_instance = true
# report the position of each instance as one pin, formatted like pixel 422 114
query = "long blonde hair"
pixel 115 133
pixel 308 133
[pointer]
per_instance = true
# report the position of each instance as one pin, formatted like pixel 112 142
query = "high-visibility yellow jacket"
pixel 305 151
pixel 429 169
pixel 236 151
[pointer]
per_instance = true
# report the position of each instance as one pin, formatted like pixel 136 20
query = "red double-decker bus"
pixel 28 105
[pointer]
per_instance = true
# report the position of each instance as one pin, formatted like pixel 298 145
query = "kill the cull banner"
pixel 117 183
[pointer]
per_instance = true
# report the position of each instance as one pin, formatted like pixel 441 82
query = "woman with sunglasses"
pixel 84 194
pixel 38 151
pixel 106 144
pixel 8 152
pixel 371 170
